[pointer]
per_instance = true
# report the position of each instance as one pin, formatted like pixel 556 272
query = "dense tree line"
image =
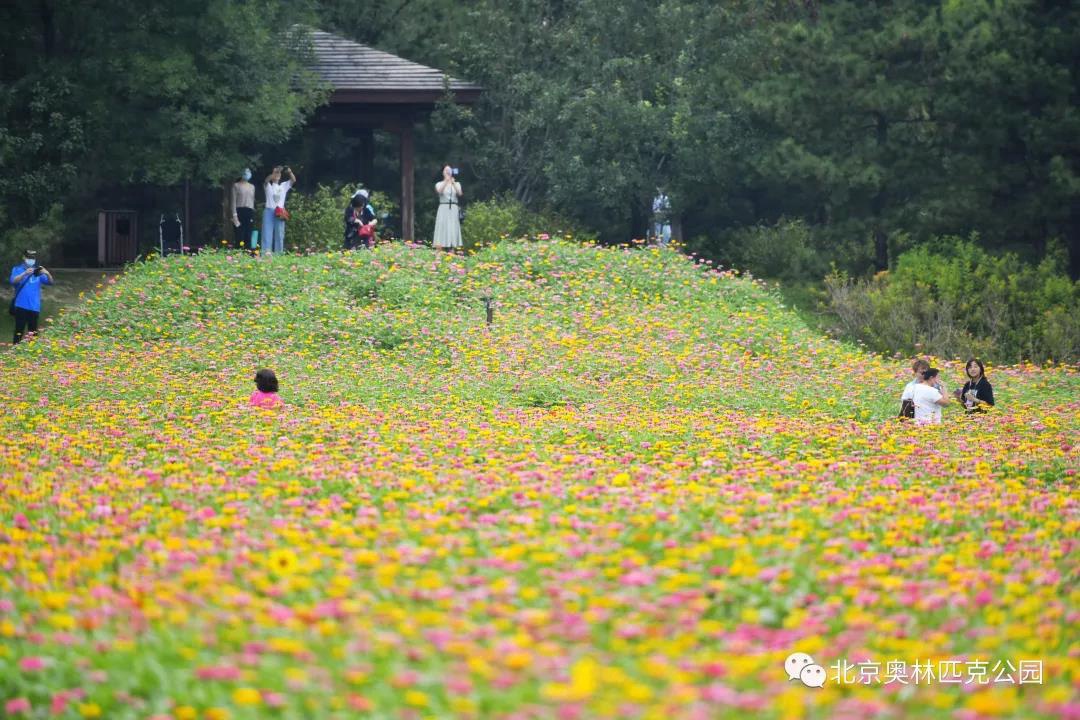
pixel 103 92
pixel 881 124
pixel 878 124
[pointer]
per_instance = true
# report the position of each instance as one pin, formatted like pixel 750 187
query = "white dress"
pixel 447 224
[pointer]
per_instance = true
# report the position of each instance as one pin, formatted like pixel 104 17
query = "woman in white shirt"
pixel 273 226
pixel 929 397
pixel 907 408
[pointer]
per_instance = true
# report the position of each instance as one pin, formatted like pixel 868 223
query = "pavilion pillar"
pixel 408 199
pixel 366 156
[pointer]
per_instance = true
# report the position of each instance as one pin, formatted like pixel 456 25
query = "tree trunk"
pixel 1072 239
pixel 638 222
pixel 48 29
pixel 881 238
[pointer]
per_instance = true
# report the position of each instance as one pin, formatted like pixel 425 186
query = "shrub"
pixel 42 236
pixel 498 218
pixel 317 222
pixel 953 299
pixel 783 251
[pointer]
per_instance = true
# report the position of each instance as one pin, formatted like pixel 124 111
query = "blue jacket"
pixel 29 297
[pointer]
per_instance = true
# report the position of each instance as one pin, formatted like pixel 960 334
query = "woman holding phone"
pixel 274 214
pixel 977 393
pixel 928 397
pixel 447 221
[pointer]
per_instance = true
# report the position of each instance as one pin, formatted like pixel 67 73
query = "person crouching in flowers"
pixel 928 398
pixel 977 393
pixel 266 390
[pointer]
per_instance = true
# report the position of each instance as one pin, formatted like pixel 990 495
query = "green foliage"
pixel 317 220
pixel 544 393
pixel 956 300
pixel 130 92
pixel 489 221
pixel 494 220
pixel 877 124
pixel 784 251
pixel 41 236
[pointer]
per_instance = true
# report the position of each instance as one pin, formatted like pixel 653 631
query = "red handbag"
pixel 280 212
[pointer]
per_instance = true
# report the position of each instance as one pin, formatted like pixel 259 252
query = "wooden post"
pixel 407 172
pixel 366 163
pixel 187 209
pixel 227 233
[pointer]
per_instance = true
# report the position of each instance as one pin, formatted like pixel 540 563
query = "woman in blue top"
pixel 27 279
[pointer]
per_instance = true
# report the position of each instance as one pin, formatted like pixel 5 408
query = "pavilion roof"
pixel 361 74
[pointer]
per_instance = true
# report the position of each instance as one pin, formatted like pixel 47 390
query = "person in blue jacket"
pixel 27 278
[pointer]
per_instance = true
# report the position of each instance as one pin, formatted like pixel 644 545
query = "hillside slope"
pixel 633 495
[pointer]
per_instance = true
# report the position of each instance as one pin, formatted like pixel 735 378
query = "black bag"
pixel 907 409
pixel 460 213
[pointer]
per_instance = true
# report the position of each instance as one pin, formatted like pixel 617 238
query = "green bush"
pixel 783 251
pixel 42 236
pixel 317 220
pixel 490 221
pixel 953 299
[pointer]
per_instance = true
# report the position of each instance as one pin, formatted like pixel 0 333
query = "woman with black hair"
pixel 928 397
pixel 266 390
pixel 359 221
pixel 977 392
pixel 447 220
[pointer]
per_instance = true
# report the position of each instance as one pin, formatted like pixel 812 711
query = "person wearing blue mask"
pixel 27 278
pixel 661 207
pixel 243 210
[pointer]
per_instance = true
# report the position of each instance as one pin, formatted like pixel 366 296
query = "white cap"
pixel 361 193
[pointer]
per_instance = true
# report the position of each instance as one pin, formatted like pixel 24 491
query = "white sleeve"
pixel 909 392
pixel 287 185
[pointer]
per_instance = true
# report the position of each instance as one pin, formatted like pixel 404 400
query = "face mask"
pixel 30 263
pixel 246 175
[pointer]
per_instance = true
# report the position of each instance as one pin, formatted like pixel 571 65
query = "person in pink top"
pixel 266 389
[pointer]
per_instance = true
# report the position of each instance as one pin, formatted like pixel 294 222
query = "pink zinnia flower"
pixel 32 664
pixel 16 706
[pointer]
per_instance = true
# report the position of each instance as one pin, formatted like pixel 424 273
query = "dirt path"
pixel 69 283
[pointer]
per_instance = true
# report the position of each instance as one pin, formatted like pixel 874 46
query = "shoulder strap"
pixel 21 286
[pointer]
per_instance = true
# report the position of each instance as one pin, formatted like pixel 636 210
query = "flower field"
pixel 633 495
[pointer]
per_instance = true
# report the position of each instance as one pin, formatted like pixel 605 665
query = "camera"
pixel 454 171
pixel 37 270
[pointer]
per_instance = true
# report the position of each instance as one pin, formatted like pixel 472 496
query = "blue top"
pixel 30 296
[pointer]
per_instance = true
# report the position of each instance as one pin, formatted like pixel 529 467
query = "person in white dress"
pixel 447 222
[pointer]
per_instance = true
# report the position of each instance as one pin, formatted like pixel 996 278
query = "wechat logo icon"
pixel 800 666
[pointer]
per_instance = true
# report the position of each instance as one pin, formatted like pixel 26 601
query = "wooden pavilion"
pixel 374 90
pixel 370 90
